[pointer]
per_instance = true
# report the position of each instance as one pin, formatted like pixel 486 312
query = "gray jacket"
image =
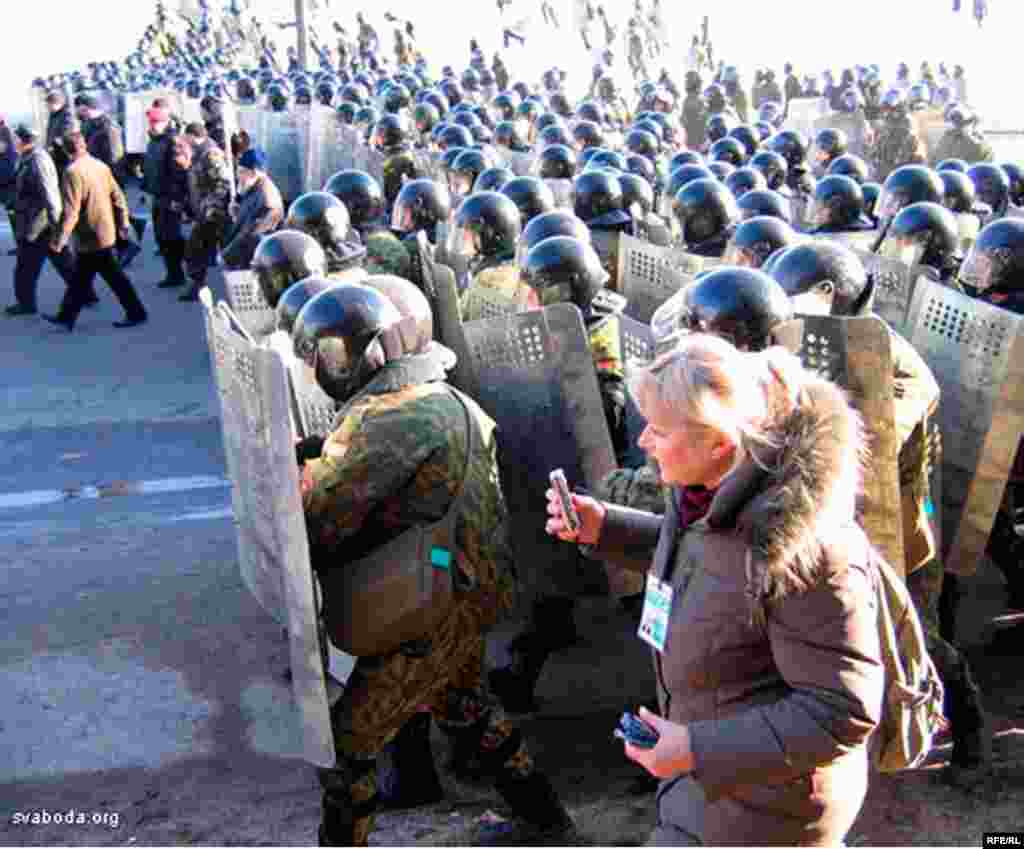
pixel 37 203
pixel 260 210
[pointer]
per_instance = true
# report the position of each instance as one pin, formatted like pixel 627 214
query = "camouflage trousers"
pixel 383 694
pixel 202 246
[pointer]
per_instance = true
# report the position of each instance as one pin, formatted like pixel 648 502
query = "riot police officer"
pixel 324 217
pixel 364 200
pixel 283 259
pixel 484 235
pixel 706 214
pixel 897 142
pixel 404 436
pixel 599 204
pixel 756 239
pixel 925 234
pixel 837 207
pixel 962 140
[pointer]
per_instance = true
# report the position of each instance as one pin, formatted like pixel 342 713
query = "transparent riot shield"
pixel 286 143
pixel 438 284
pixel 856 354
pixel 894 287
pixel 976 353
pixel 649 275
pixel 534 375
pixel 862 240
pixel 273 548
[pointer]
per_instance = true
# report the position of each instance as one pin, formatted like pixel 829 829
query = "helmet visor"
pixel 976 270
pixel 672 319
pixel 888 206
pixel 819 214
pixel 464 242
pixel 901 249
pixel 402 218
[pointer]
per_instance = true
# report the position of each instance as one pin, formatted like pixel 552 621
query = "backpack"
pixel 912 702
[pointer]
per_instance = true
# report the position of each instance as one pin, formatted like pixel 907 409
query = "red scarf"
pixel 693 503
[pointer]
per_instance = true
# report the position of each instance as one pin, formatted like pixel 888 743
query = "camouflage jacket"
pixel 916 399
pixel 606 348
pixel 210 183
pixel 395 460
pixel 494 290
pixel 641 489
pixel 969 146
pixel 895 145
pixel 385 254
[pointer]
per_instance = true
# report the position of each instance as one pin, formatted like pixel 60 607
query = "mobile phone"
pixel 636 732
pixel 561 485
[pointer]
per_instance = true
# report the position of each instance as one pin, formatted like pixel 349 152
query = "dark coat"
pixel 260 210
pixel 772 657
pixel 37 201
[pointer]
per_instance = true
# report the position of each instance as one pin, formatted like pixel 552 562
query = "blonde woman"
pixel 759 603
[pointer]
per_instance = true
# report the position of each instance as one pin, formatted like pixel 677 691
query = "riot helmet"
pixel 824 278
pixel 284 258
pixel 790 145
pixel 561 269
pixel 717 126
pixel 555 134
pixel 415 331
pixel 744 180
pixel 1016 176
pixel 685 157
pixel 587 134
pixel 959 165
pixel 748 137
pixel 643 167
pixel 637 194
pixel 391 132
pixel 560 222
pixel 756 239
pixel 598 200
pixel 556 162
pixel 454 135
pixel 906 185
pixel 995 263
pixel 515 135
pixel 492 179
pixel 425 116
pixel 728 150
pixel 531 195
pixel 325 218
pixel 705 211
pixel 643 143
pixel 923 233
pixel 487 225
pixel 837 205
pixel 762 202
pixel 872 192
pixel 295 297
pixel 773 166
pixel 421 205
pixel 469 165
pixel 721 170
pixel 362 195
pixel 829 144
pixel 959 194
pixel 850 165
pixel 992 185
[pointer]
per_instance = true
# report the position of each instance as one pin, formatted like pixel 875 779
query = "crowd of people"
pixel 758 596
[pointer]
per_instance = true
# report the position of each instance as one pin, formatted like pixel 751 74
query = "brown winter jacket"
pixel 772 655
pixel 95 209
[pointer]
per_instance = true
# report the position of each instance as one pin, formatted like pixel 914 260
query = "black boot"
pixel 971 759
pixel 412 779
pixel 541 817
pixel 515 685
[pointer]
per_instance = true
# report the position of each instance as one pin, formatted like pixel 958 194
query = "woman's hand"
pixel 672 756
pixel 590 511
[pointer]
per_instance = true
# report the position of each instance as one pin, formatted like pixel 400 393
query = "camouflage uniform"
pixel 959 144
pixel 211 189
pixel 895 145
pixel 394 462
pixel 606 348
pixel 501 280
pixel 385 254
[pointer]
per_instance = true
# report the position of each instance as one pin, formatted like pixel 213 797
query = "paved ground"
pixel 140 684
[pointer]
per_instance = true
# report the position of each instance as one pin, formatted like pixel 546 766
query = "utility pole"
pixel 300 23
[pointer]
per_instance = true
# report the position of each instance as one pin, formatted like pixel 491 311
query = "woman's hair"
pixel 706 380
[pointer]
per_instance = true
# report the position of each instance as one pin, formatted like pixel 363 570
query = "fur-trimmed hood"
pixel 785 499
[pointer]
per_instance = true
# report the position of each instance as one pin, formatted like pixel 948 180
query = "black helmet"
pixel 515 135
pixel 420 205
pixel 756 239
pixel 342 335
pixel 687 174
pixel 561 222
pixel 469 165
pixel 636 193
pixel 762 202
pixel 295 297
pixel 504 106
pixel 959 194
pixel 742 305
pixel 561 269
pixel 361 194
pixel 438 101
pixel 772 165
pixel 744 180
pixel 555 134
pixel 599 200
pixel 487 224
pixel 748 137
pixel 465 117
pixel 425 116
pixel 303 95
pixel 415 332
pixel 992 185
pixel 284 258
pixel 850 165
pixel 391 131
pixel 790 145
pixel 548 119
pixel 827 270
pixel 906 185
pixel 705 210
pixel 492 179
pixel 641 166
pixel 556 162
pixel 728 150
pixel 454 135
pixel 590 111
pixel 277 98
pixel 685 157
pixel 995 262
pixel 838 204
pixel 451 90
pixel 325 218
pixel 531 195
pixel 829 144
pixel 952 165
pixel 607 159
pixel 643 143
pixel 1016 175
pixel 717 126
pixel 587 134
pixel 347 112
pixel 721 170
pixel 925 234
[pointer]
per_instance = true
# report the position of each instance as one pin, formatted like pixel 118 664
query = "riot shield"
pixel 862 240
pixel 856 354
pixel 273 548
pixel 246 299
pixel 520 164
pixel 894 288
pixel 854 125
pixel 976 352
pixel 637 343
pixel 649 275
pixel 534 375
pixel 439 286
pixel 286 142
pixel 250 120
pixel 803 112
pixel 327 152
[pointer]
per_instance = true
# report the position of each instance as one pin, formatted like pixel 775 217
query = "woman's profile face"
pixel 688 453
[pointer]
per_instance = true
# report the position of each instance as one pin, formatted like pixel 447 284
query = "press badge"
pixel 657 608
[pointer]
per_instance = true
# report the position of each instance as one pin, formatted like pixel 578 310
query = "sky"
pixel 53 35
